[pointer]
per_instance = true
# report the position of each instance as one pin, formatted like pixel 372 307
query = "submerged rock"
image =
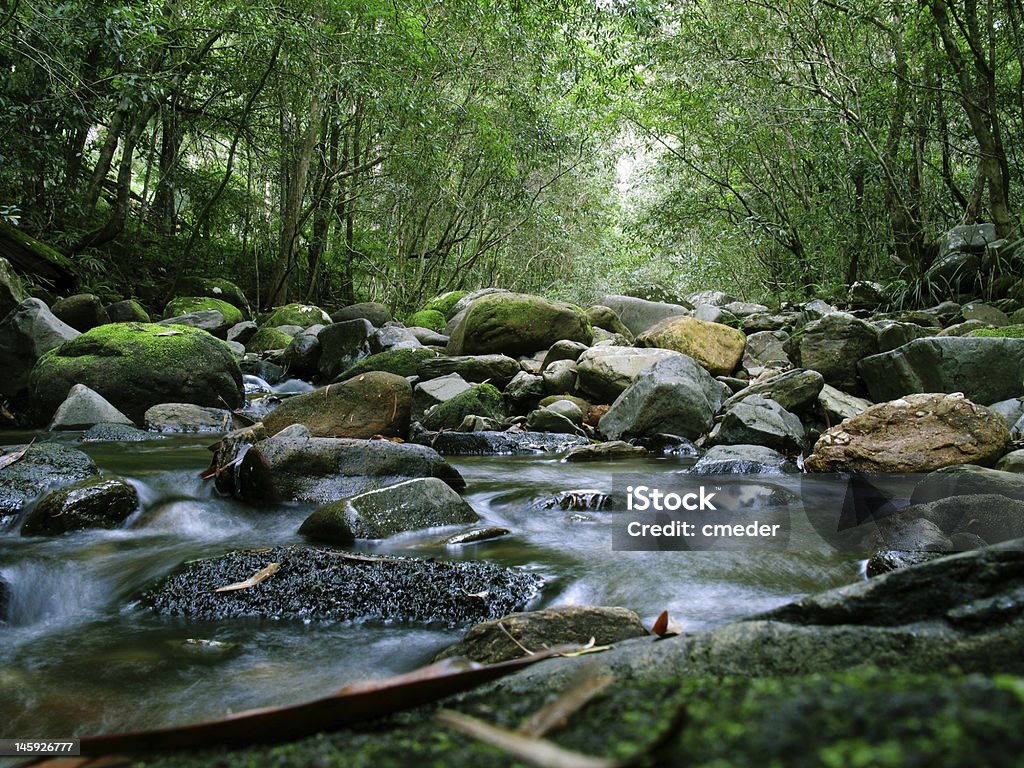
pixel 97 502
pixel 118 433
pixel 743 460
pixel 313 584
pixel 185 417
pixel 491 443
pixel 42 466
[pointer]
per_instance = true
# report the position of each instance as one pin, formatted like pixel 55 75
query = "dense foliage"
pixel 336 150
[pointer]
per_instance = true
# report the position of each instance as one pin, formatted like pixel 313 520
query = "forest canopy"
pixel 331 151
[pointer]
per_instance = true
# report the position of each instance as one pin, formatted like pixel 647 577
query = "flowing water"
pixel 78 657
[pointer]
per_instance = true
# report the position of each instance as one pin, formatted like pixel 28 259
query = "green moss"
pixel 31 244
pixel 445 302
pixel 304 315
pixel 401 362
pixel 268 338
pixel 187 304
pixel 216 288
pixel 1009 332
pixel 480 400
pixel 427 318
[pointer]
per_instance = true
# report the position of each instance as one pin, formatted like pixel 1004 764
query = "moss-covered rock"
pixel 216 288
pixel 127 311
pixel 136 366
pixel 517 324
pixel 482 400
pixel 98 502
pixel 401 362
pixel 445 302
pixel 427 318
pixel 1007 332
pixel 717 347
pixel 268 338
pixel 296 314
pixel 186 304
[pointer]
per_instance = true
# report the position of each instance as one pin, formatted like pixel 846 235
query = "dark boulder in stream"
pixel 97 502
pixel 38 468
pixel 320 585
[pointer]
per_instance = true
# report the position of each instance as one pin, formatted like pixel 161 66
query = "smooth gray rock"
pixel 96 502
pixel 766 349
pixel 563 350
pixel 210 320
pixel 604 373
pixel 427 394
pixel 839 406
pixel 498 370
pixel 758 421
pixel 81 311
pixel 83 408
pixel 834 345
pixel 186 417
pixel 492 443
pixel 1012 462
pixel 986 370
pixel 242 332
pixel 524 392
pixel 966 480
pixel 393 337
pixel 374 312
pixel 26 333
pixel 560 377
pixel 794 390
pixel 1011 410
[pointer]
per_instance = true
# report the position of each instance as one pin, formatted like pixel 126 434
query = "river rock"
pixel 717 347
pixel 138 365
pixel 392 337
pixel 312 584
pixel 81 311
pixel 427 394
pixel 294 466
pixel 302 315
pixel 118 433
pixel 743 460
pixel 503 639
pixel 127 311
pixel 986 370
pixel 894 335
pixel 242 332
pixel 97 502
pixel 639 314
pixel 985 313
pixel 991 517
pixel 479 400
pixel 26 333
pixel 186 417
pixel 493 443
pixel 866 294
pixel 425 502
pixel 966 480
pixel 604 373
pixel 838 405
pixel 524 392
pixel 83 408
pixel 1010 410
pixel 559 377
pixel 756 420
pixel 1012 462
pixel 498 370
pixel 403 361
pixel 610 450
pixel 911 534
pixel 374 403
pixel 342 345
pixel 781 322
pixel 41 467
pixel 710 296
pixel 563 350
pixel 709 313
pixel 795 391
pixel 550 419
pixel 302 356
pixel 515 324
pixel 765 350
pixel 675 396
pixel 373 312
pixel 917 433
pixel 834 345
pixel 186 305
pixel 268 339
pixel 606 319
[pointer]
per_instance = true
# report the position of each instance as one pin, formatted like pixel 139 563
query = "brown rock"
pixel 916 433
pixel 717 347
pixel 375 403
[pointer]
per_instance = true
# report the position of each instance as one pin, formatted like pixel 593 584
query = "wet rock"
pixel 886 560
pixel 986 370
pixel 186 305
pixel 488 443
pixel 292 466
pixel 97 502
pixel 302 356
pixel 917 433
pixel 967 480
pixel 515 324
pixel 639 314
pixel 136 366
pixel 270 372
pixel 475 536
pixel 834 345
pixel 127 311
pixel 498 370
pixel 755 420
pixel 743 460
pixel 766 350
pixel 524 392
pixel 991 517
pixel 576 501
pixel 838 405
pixel 373 312
pixel 117 433
pixel 407 506
pixel 83 408
pixel 912 534
pixel 311 584
pixel 392 337
pixel 479 400
pixel 604 373
pixel 432 392
pixel 717 347
pixel 505 638
pixel 400 362
pixel 81 311
pixel 185 417
pixel 43 466
pixel 675 396
pixel 26 333
pixel 606 319
pixel 551 419
pixel 374 403
pixel 795 391
pixel 610 450
pixel 303 315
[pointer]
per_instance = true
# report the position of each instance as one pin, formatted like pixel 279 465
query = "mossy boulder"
pixel 186 304
pixel 98 502
pixel 427 318
pixel 136 366
pixel 517 324
pixel 268 338
pixel 401 362
pixel 482 400
pixel 717 347
pixel 445 303
pixel 216 288
pixel 296 314
pixel 1007 332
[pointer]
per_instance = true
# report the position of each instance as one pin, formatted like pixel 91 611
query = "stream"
pixel 78 657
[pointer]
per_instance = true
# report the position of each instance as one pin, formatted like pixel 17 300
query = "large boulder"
pixel 425 502
pixel 97 502
pixel 604 373
pixel 138 365
pixel 917 433
pixel 26 333
pixel 674 396
pixel 294 466
pixel 986 370
pixel 834 345
pixel 303 315
pixel 517 324
pixel 373 312
pixel 38 468
pixel 498 370
pixel 717 347
pixel 639 314
pixel 375 403
pixel 81 311
pixel 756 420
pixel 342 345
pixel 479 400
